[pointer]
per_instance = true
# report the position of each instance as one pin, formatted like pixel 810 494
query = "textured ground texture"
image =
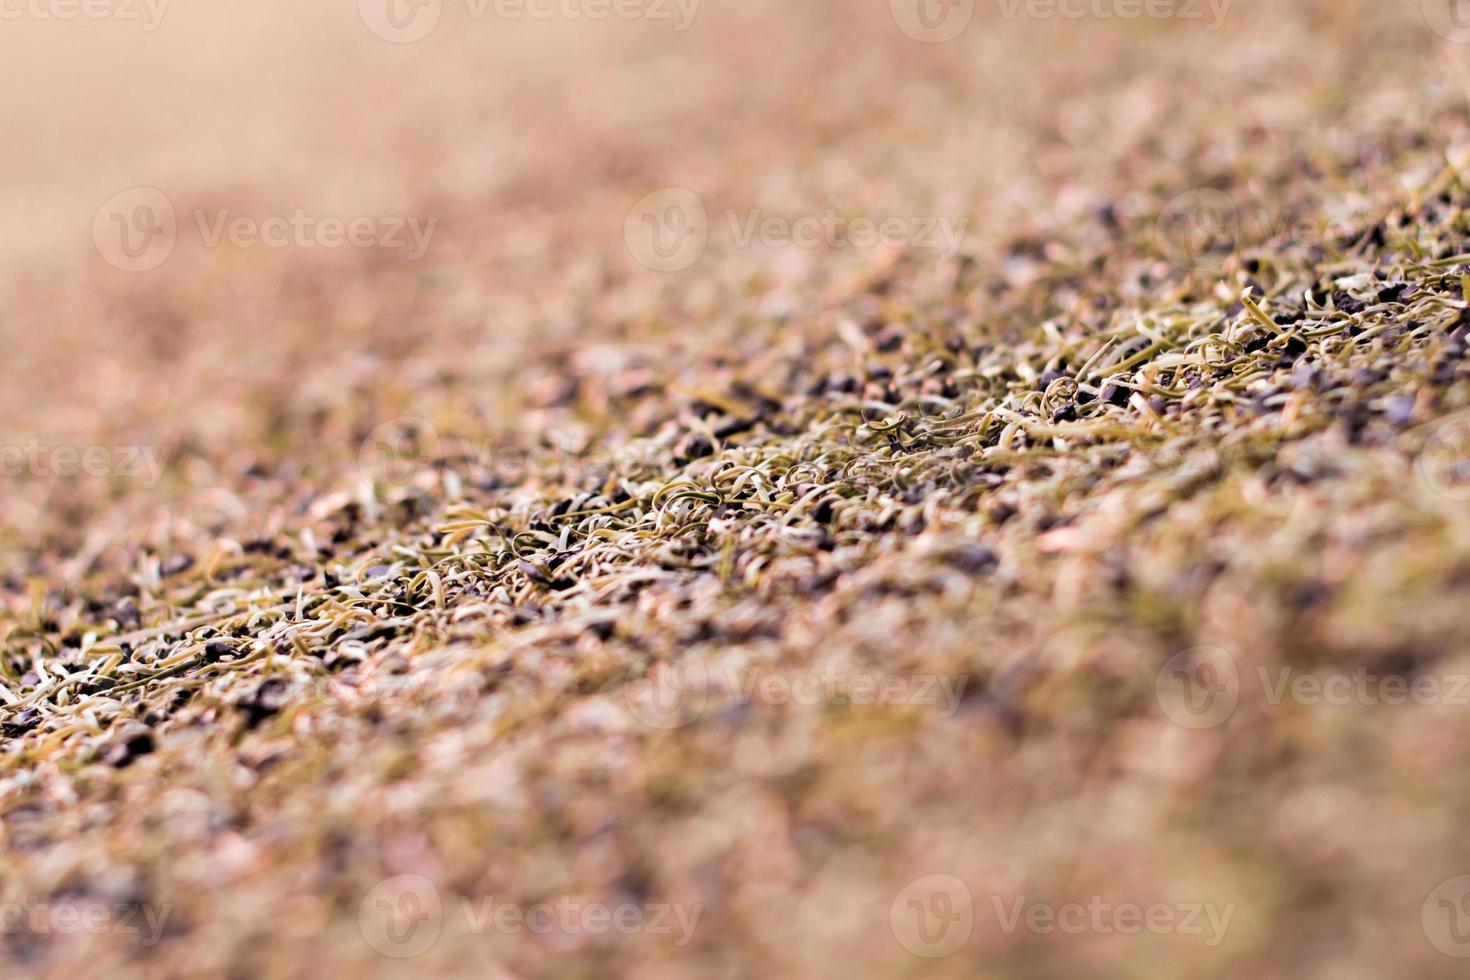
pixel 1085 601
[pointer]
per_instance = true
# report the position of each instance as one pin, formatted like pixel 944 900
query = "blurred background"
pixel 522 144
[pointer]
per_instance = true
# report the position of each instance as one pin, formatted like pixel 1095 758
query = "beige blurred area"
pixel 526 141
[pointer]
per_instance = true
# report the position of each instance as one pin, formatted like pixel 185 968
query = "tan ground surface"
pixel 390 599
